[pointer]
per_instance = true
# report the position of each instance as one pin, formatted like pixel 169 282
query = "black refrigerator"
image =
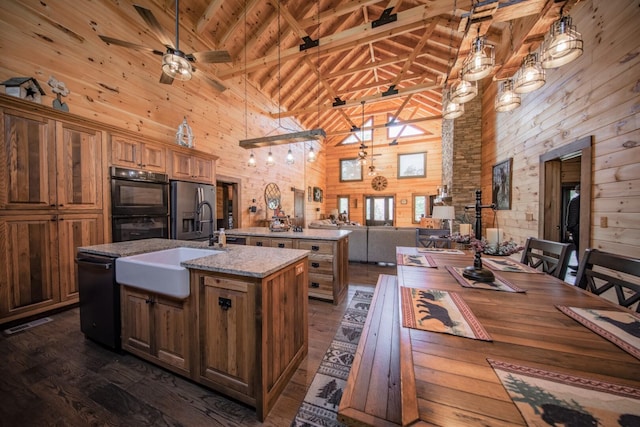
pixel 186 222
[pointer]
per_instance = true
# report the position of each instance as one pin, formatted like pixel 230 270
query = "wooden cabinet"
pixel 133 154
pixel 192 167
pixel 157 328
pixel 253 332
pixel 51 202
pixel 37 253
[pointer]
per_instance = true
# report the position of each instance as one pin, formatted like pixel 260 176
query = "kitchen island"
pixel 328 255
pixel 241 331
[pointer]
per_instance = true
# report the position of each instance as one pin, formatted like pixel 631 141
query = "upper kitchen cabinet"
pixel 47 164
pixel 138 155
pixel 187 166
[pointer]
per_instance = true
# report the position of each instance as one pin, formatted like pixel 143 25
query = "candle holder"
pixel 476 272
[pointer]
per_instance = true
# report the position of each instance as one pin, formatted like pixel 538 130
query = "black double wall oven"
pixel 139 204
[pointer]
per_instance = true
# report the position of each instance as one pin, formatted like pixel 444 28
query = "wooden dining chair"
pixel 599 272
pixel 432 238
pixel 552 257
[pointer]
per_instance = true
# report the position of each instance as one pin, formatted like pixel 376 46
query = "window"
pixel 420 206
pixel 379 210
pixel 356 137
pixel 343 206
pixel 413 165
pixel 399 131
pixel 350 170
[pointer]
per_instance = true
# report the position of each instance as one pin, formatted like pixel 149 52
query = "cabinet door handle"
pixel 224 303
pixel 315 248
pixel 258 243
pixel 315 264
pixel 150 300
pixel 281 245
pixel 315 284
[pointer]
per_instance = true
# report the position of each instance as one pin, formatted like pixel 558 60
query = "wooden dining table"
pixel 446 380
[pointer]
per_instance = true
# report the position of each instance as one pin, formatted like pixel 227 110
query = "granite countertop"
pixel 251 261
pixel 306 233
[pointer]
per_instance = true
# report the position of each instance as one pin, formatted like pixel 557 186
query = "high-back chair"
pixel 601 271
pixel 552 257
pixel 432 238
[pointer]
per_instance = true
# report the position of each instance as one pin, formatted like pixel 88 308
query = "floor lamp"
pixel 445 212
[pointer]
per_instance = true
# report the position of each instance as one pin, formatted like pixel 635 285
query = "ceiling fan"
pixel 175 63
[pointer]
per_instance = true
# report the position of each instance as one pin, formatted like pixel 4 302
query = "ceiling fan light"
pixel 506 99
pixel 479 62
pixel 530 76
pixel 562 44
pixel 463 91
pixel 176 66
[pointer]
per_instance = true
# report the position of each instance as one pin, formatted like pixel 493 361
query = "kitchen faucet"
pixel 199 213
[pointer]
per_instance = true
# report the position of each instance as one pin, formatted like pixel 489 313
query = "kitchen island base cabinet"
pixel 155 328
pixel 253 333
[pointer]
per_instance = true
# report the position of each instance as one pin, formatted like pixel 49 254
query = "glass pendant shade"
pixel 530 76
pixel 450 109
pixel 311 156
pixel 479 62
pixel 176 66
pixel 290 157
pixel 562 44
pixel 507 99
pixel 252 161
pixel 463 91
pixel 270 161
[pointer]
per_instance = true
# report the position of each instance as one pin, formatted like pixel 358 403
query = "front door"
pixel 298 208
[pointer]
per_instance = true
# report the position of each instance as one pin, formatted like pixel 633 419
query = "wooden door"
pixel 171 333
pixel 75 230
pixel 79 162
pixel 136 321
pixel 27 162
pixel 29 278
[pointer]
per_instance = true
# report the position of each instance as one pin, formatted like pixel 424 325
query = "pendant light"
pixel 463 90
pixel 290 159
pixel 562 44
pixel 450 110
pixel 311 155
pixel 270 161
pixel 252 160
pixel 506 99
pixel 480 60
pixel 362 150
pixel 530 76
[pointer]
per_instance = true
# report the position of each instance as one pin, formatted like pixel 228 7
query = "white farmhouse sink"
pixel 159 271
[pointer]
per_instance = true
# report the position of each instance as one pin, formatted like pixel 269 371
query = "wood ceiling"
pixel 395 55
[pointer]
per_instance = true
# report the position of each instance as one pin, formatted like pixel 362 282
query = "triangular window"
pixel 356 137
pixel 400 131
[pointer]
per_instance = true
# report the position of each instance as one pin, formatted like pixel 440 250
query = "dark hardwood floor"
pixel 51 375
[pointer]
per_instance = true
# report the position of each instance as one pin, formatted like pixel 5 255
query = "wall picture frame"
pixel 412 165
pixel 350 170
pixel 501 184
pixel 317 194
pixel 309 194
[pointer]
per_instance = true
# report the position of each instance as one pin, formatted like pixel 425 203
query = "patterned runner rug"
pixel 320 405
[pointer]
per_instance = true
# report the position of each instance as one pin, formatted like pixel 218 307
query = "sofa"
pixel 372 243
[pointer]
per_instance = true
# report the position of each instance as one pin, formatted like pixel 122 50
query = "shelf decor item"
pixel 26 88
pixel 60 89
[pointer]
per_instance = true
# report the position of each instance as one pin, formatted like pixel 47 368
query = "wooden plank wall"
pixel 597 95
pixel 119 87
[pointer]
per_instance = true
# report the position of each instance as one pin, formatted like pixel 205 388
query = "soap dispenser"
pixel 222 238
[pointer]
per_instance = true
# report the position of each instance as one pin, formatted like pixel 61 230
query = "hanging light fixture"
pixel 450 109
pixel 463 90
pixel 290 159
pixel 252 160
pixel 270 161
pixel 311 155
pixel 530 76
pixel 480 60
pixel 506 99
pixel 362 150
pixel 562 44
pixel 176 66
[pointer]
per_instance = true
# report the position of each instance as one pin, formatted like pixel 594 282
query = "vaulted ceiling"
pixel 319 60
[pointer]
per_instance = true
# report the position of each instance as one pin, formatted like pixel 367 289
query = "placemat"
pixel 440 311
pixel 441 251
pixel 620 327
pixel 552 398
pixel 508 265
pixel 499 284
pixel 416 260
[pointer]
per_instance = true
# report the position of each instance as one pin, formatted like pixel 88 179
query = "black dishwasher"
pixel 99 296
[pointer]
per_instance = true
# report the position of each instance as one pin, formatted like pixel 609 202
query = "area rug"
pixel 499 284
pixel 440 311
pixel 320 405
pixel 416 260
pixel 620 327
pixel 552 398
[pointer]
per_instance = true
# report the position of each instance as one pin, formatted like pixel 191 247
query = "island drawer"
pixel 259 241
pixel 321 264
pixel 316 246
pixel 321 286
pixel 282 243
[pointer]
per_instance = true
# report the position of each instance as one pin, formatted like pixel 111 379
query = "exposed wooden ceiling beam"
pixel 212 9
